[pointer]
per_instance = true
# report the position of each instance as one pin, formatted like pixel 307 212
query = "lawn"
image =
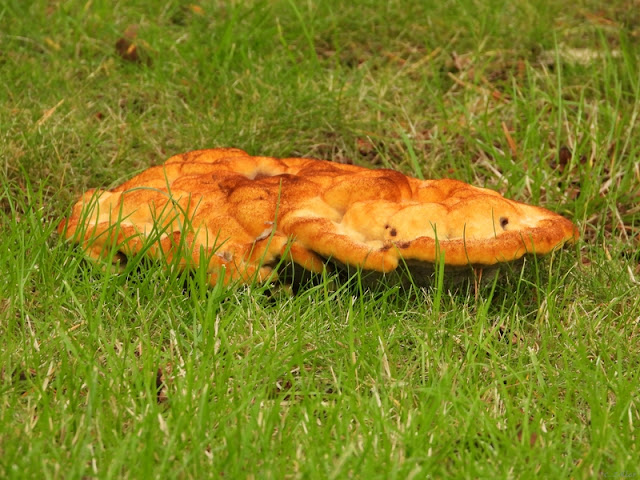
pixel 153 374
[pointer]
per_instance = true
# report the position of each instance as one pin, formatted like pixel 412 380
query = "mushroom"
pixel 242 215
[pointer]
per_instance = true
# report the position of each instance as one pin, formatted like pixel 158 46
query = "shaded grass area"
pixel 153 374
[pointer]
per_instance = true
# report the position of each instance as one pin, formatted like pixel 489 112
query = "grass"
pixel 151 374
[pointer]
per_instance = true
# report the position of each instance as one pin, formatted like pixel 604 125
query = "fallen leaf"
pixel 129 50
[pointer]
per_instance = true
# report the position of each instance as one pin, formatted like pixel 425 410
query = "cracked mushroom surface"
pixel 243 214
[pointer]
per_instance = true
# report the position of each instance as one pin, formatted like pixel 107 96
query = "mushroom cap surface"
pixel 243 214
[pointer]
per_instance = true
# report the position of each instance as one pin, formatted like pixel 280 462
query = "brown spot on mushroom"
pixel 393 232
pixel 504 221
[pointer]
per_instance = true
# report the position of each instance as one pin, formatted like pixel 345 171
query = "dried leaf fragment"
pixel 129 50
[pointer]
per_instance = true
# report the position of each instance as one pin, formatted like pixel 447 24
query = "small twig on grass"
pixel 47 114
pixel 510 141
